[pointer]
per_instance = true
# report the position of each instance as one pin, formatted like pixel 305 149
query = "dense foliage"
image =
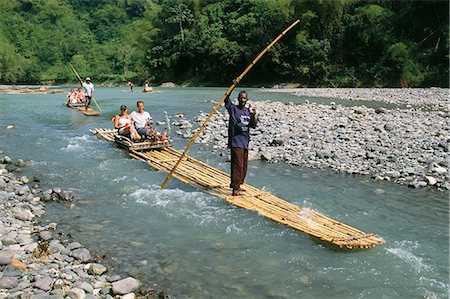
pixel 339 43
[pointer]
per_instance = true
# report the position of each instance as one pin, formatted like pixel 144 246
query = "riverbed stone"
pixel 86 287
pixel 125 286
pixel 7 282
pixel 82 254
pixel 76 293
pixel 6 256
pixel 23 214
pixel 45 235
pixel 44 283
pixel 97 269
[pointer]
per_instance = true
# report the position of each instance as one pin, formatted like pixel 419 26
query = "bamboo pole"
pixel 81 82
pixel 227 94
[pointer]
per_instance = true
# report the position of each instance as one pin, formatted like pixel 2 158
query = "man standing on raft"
pixel 242 118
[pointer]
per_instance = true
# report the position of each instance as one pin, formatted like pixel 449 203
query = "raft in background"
pixel 81 107
pixel 216 182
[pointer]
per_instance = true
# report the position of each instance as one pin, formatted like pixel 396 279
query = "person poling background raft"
pixel 89 88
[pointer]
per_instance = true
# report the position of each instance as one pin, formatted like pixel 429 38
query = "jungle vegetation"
pixel 338 43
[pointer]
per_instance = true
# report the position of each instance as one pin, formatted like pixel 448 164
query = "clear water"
pixel 193 245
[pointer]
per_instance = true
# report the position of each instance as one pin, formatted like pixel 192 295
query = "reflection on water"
pixel 194 245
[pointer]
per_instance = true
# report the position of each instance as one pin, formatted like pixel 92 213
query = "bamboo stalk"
pixel 227 94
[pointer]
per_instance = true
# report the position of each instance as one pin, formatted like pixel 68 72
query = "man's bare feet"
pixel 236 193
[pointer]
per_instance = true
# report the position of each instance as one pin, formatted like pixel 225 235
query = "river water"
pixel 193 245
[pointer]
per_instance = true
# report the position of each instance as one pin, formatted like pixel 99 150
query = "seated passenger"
pixel 142 121
pixel 72 97
pixel 124 125
pixel 81 98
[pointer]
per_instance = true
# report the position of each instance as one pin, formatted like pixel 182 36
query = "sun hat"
pixel 88 79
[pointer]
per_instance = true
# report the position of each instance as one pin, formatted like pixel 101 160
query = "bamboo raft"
pixel 81 107
pixel 216 182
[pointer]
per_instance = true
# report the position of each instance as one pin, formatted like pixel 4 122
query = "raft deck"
pixel 216 182
pixel 81 107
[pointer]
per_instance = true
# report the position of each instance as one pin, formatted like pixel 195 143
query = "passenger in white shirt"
pixel 142 121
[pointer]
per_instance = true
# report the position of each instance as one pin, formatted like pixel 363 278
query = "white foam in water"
pixel 232 228
pixel 416 262
pixel 76 143
pixel 178 203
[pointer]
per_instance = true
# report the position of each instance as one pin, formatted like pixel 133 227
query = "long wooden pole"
pixel 81 82
pixel 227 94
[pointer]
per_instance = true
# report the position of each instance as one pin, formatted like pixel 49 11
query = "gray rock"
pixel 23 190
pixel 381 110
pixel 86 287
pixel 44 283
pixel 82 254
pixel 388 127
pixel 7 160
pixel 324 153
pixel 125 286
pixel 3 184
pixel 9 282
pixel 5 257
pixel 73 245
pixel 66 195
pixel 113 278
pixel 266 156
pixel 418 184
pixel 76 293
pixel 22 214
pixel 431 180
pixel 393 173
pixel 45 235
pixel 97 269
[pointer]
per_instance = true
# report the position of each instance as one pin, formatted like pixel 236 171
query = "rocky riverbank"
pixel 406 146
pixel 436 98
pixel 35 262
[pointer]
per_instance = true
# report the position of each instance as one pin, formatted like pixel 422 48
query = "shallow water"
pixel 194 245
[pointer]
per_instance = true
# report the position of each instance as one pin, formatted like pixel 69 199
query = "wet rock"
pixel 97 269
pixel 66 195
pixel 73 245
pixel 125 286
pixel 113 278
pixel 82 254
pixel 7 160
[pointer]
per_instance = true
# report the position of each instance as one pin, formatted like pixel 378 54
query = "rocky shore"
pixel 406 146
pixel 436 98
pixel 35 263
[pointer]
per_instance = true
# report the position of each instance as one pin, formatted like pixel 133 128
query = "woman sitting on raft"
pixel 124 125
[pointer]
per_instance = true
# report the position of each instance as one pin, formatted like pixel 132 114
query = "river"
pixel 193 245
